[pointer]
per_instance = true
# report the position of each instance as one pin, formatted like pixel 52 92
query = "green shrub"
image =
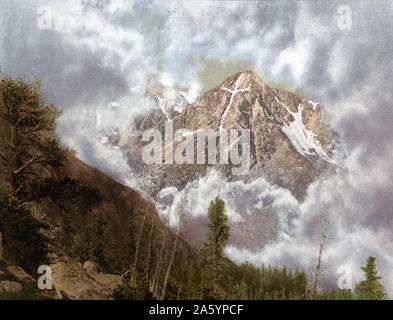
pixel 23 242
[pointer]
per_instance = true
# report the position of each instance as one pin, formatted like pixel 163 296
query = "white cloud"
pixel 168 44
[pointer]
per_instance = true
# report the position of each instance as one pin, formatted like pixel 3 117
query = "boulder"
pixel 72 282
pixel 20 274
pixel 90 266
pixel 52 257
pixel 108 281
pixel 11 287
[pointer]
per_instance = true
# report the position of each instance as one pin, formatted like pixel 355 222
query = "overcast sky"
pixel 89 53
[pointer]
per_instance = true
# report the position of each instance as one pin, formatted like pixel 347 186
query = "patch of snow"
pixel 163 105
pixel 234 142
pixel 178 109
pixel 314 104
pixel 305 141
pixel 186 97
pixel 173 101
pixel 233 92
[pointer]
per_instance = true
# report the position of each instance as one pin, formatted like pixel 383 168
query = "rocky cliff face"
pixel 290 142
pixel 290 136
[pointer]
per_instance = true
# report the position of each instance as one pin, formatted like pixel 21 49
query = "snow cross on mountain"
pixel 233 92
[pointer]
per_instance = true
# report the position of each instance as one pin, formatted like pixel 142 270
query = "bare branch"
pixel 4 157
pixel 150 248
pixel 154 282
pixel 134 264
pixel 1 247
pixel 19 121
pixel 183 207
pixel 26 165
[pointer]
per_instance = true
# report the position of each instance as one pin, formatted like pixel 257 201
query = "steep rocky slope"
pixel 123 211
pixel 121 220
pixel 126 215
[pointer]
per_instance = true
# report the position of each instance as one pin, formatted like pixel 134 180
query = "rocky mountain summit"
pixel 291 142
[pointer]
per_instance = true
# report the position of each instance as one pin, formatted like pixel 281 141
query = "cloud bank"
pixel 91 53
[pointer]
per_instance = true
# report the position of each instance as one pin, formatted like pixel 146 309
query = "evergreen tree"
pixel 241 291
pixel 24 244
pixel 29 146
pixel 214 249
pixel 29 126
pixel 139 290
pixel 371 288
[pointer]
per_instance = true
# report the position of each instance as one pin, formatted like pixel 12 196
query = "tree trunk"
pixel 159 264
pixel 183 207
pixel 318 267
pixel 168 271
pixel 178 293
pixel 150 248
pixel 1 247
pixel 133 267
pixel 215 275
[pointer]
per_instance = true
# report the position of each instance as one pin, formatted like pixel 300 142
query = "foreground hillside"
pixel 74 213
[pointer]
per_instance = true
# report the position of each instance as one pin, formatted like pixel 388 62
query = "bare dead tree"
pixel 318 267
pixel 178 293
pixel 150 247
pixel 135 260
pixel 154 282
pixel 155 292
pixel 182 212
pixel 1 247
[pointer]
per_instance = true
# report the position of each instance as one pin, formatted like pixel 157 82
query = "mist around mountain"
pixel 278 211
pixel 102 240
pixel 291 145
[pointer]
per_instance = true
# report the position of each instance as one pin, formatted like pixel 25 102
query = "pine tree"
pixel 29 126
pixel 214 249
pixel 371 288
pixel 29 146
pixel 24 244
pixel 1 246
pixel 241 291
